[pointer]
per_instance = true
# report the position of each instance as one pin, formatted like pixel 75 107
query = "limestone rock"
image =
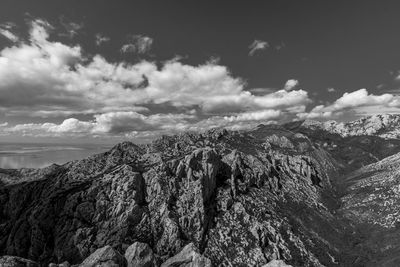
pixel 140 255
pixel 240 198
pixel 104 257
pixel 277 263
pixel 63 264
pixel 385 126
pixel 188 257
pixel 13 261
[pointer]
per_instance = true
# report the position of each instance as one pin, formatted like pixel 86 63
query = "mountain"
pixel 386 126
pixel 372 200
pixel 276 195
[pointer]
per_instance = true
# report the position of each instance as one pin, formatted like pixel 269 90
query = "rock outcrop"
pixel 189 256
pixel 277 263
pixel 386 126
pixel 104 257
pixel 13 261
pixel 372 200
pixel 220 198
pixel 140 255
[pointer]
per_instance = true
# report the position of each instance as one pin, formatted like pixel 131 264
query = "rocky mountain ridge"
pixel 265 197
pixel 384 125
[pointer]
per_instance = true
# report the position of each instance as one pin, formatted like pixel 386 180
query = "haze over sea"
pixel 39 155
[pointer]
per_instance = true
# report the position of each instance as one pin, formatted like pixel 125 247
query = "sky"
pixel 105 71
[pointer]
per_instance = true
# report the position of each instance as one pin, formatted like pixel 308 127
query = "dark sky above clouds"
pixel 107 70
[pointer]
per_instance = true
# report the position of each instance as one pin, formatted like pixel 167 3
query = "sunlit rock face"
pixel 265 197
pixel 386 126
pixel 372 200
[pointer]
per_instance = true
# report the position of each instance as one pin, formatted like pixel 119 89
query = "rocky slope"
pixel 386 126
pixel 268 196
pixel 372 200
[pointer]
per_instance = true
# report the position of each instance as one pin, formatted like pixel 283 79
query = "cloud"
pixel 9 35
pixel 137 125
pixel 8 25
pixel 89 95
pixel 100 39
pixel 291 84
pixel 280 46
pixel 246 101
pixel 257 45
pixel 112 123
pixel 71 28
pixel 361 97
pixel 330 90
pixel 261 115
pixel 139 44
pixel 55 77
pixel 261 91
pixel 6 31
pixel 28 72
pixel 359 101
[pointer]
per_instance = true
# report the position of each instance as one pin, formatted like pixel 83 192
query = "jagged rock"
pixel 104 257
pixel 13 261
pixel 140 255
pixel 188 257
pixel 241 198
pixel 179 199
pixel 63 264
pixel 277 263
pixel 80 215
pixel 385 126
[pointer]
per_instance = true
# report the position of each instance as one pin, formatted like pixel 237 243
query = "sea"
pixel 15 156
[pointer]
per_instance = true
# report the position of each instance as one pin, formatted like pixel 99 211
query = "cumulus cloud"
pixel 132 124
pixel 6 31
pixel 354 101
pixel 280 46
pixel 100 39
pixel 139 44
pixel 291 84
pixel 255 116
pixel 29 71
pixel 55 77
pixel 331 90
pixel 93 96
pixel 246 101
pixel 71 28
pixel 104 124
pixel 257 45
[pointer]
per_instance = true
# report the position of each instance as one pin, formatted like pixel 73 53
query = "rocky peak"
pixel 382 125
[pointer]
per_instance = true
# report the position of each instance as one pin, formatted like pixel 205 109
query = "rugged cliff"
pixel 265 196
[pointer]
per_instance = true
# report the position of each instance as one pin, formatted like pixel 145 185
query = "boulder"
pixel 188 257
pixel 104 257
pixel 63 264
pixel 140 255
pixel 277 263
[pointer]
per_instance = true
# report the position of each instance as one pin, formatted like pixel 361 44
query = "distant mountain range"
pixel 299 194
pixel 386 126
